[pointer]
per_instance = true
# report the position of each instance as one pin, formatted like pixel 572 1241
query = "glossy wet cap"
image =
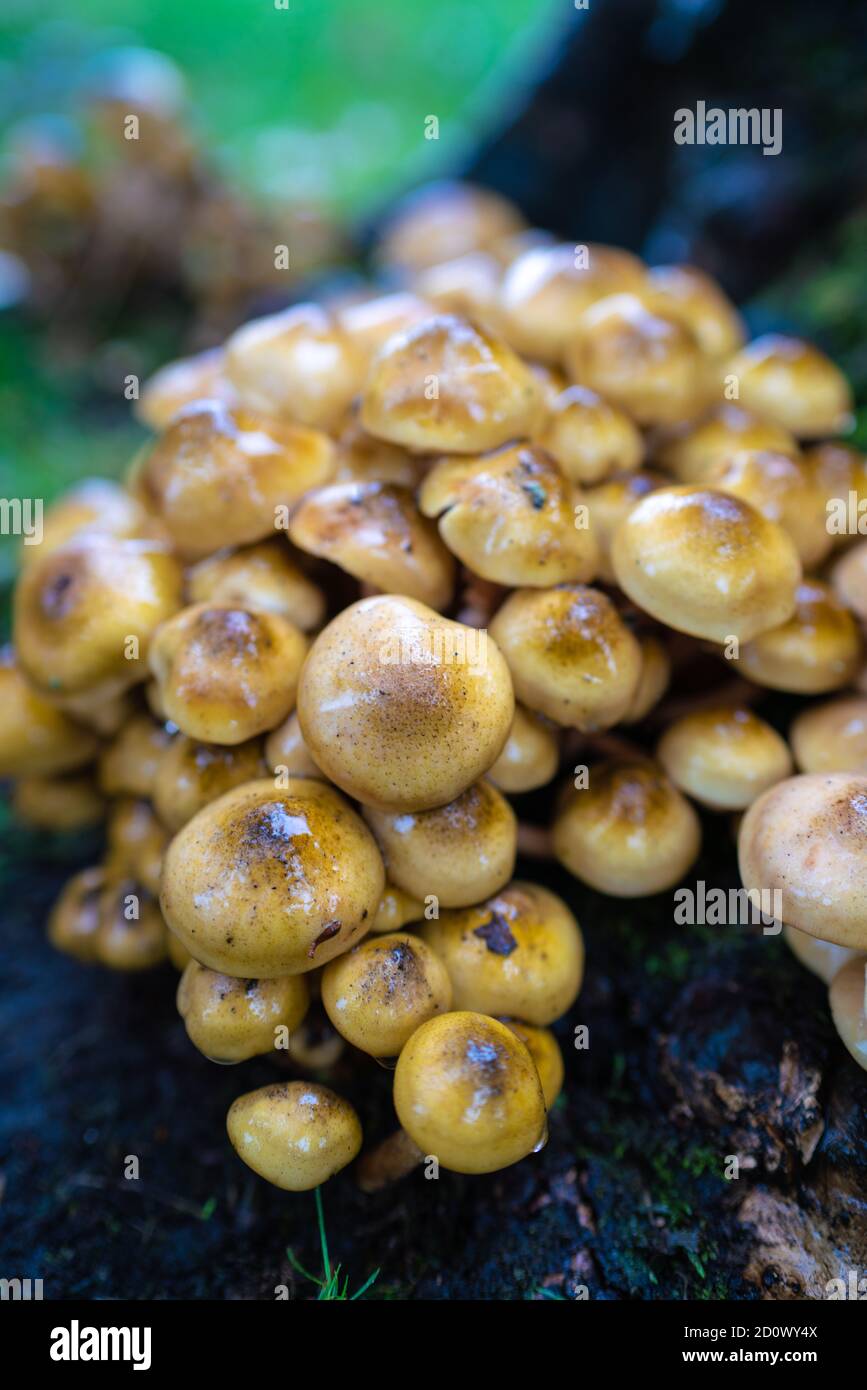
pixel 377 994
pixel 724 758
pixel 296 1134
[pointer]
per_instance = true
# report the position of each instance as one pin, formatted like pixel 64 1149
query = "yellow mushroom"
pixel 377 994
pixel 230 1019
pixel 296 1134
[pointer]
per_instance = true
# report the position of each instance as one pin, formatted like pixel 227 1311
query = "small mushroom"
pixel 295 1134
pixel 447 386
pixel 375 532
pixel 230 1019
pixel 629 833
pixel 377 994
pixel 226 675
pixel 36 738
pixel 511 517
pixel 823 958
pixel 467 1092
pixel 443 220
pixel 706 563
pixel 848 999
pixel 783 488
pixel 217 476
pixel 832 736
pixel 695 451
pixel 590 439
pixel 192 775
pixel 95 506
pixel 128 766
pixel 396 909
pixel 839 470
pixel 74 918
pixel 72 802
pixel 136 843
pixel 725 757
pixel 653 681
pixel 362 458
pixel 648 364
pixel 817 650
pixel 266 882
pixel 544 1048
pixel 370 322
pixel 530 756
pixel 84 615
pixel 610 503
pixel 285 748
pixel 805 837
pixel 467 286
pixel 686 294
pixel 571 656
pixel 315 1046
pixel 849 578
pixel 180 383
pixel 457 853
pixel 262 578
pixel 519 953
pixel 402 708
pixel 298 365
pixel 131 934
pixel 547 289
pixel 793 383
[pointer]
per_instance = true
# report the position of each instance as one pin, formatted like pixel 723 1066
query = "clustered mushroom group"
pixel 391 560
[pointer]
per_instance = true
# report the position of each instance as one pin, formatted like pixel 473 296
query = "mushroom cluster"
pixel 522 512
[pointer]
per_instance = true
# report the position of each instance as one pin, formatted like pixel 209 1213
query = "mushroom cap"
pixel 511 517
pixel 519 953
pixel 646 363
pixel 74 918
pixel 369 323
pixel 466 285
pixel 609 503
pixel 298 365
pixel 695 451
pixel 447 386
pixel 229 1019
pixel 296 1134
pixel 546 290
pixel 724 758
pixel 823 958
pixel 136 842
pixel 285 748
pixel 467 1092
pixel 630 833
pixel 376 533
pixel 653 681
pixel 848 999
pixel 806 837
pixel 443 220
pixel 36 738
pixel 818 649
pixel 544 1048
pixel 193 774
pixel 832 736
pixel 76 610
pixel 530 756
pixel 226 674
pixel 128 766
pixel 377 994
pixel 402 708
pixel 65 803
pixel 216 475
pixel 266 882
pixel 131 934
pixel 94 506
pixel 589 438
pixel 362 458
pixel 684 293
pixel 849 578
pixel 315 1045
pixel 396 908
pixel 706 563
pixel 179 383
pixel 793 383
pixel 457 853
pixel 784 489
pixel 838 470
pixel 571 655
pixel 263 578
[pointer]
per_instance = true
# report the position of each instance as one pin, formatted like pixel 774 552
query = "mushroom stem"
pixel 534 841
pixel 390 1160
